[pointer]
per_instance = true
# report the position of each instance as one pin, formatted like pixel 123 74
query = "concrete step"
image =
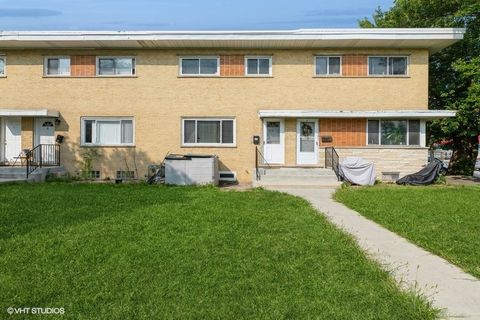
pixel 2 180
pixel 298 177
pixel 299 172
pixel 20 173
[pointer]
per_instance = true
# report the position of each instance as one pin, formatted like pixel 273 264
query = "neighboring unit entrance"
pixel 274 141
pixel 12 138
pixel 307 141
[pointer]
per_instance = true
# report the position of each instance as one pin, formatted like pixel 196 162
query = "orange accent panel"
pixel 232 66
pixel 344 132
pixel 82 66
pixel 354 65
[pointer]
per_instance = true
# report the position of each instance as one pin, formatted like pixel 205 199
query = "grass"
pixel 444 220
pixel 135 251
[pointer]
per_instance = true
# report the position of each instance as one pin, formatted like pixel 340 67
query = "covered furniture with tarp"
pixel 358 171
pixel 428 175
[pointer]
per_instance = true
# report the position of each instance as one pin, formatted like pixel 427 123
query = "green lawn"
pixel 135 251
pixel 444 220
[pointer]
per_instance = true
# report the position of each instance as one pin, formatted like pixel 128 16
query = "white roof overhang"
pixel 29 113
pixel 433 39
pixel 404 114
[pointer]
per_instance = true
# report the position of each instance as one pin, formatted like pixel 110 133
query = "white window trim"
pixel 93 144
pixel 180 63
pixel 388 75
pixel 4 57
pixel 258 57
pixel 45 66
pixel 423 140
pixel 223 145
pixel 97 66
pixel 328 66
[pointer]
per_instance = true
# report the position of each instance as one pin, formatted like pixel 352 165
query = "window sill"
pixel 381 147
pixel 203 145
pixel 199 76
pixel 76 77
pixel 362 77
pixel 107 145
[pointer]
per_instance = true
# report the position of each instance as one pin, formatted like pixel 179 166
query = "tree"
pixel 454 72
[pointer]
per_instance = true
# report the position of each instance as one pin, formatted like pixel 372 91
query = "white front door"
pixel 307 141
pixel 13 138
pixel 274 141
pixel 45 135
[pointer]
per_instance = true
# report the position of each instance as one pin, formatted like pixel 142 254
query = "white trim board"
pixel 413 114
pixel 29 113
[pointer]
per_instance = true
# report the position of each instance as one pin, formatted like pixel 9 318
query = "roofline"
pixel 301 34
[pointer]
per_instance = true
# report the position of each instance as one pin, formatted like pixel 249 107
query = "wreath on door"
pixel 306 129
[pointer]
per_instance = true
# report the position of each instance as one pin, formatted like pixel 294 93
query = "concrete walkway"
pixel 451 289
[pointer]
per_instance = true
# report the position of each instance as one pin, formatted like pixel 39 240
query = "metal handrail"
pixel 259 155
pixel 42 155
pixel 332 160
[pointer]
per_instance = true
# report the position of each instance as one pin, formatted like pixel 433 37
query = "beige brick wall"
pixel 158 98
pixel 27 132
pixel 402 160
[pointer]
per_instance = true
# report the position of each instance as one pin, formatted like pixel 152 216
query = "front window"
pixel 2 66
pixel 328 66
pixel 203 66
pixel 394 132
pixel 209 132
pixel 258 66
pixel 116 66
pixel 57 66
pixel 387 66
pixel 107 131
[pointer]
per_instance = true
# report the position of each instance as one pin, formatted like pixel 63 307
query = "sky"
pixel 184 14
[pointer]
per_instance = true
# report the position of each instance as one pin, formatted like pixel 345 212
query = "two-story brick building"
pixel 139 95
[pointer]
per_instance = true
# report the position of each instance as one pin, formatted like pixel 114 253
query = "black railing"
pixel 259 156
pixel 43 155
pixel 332 161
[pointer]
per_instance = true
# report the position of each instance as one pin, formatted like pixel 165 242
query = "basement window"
pixel 56 66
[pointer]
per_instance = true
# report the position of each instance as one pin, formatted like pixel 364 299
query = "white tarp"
pixel 358 171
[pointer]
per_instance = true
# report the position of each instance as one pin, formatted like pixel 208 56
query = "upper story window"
pixel 394 132
pixel 57 66
pixel 2 66
pixel 199 66
pixel 258 66
pixel 208 132
pixel 328 66
pixel 107 131
pixel 387 66
pixel 115 66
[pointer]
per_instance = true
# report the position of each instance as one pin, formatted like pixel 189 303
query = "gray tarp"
pixel 358 171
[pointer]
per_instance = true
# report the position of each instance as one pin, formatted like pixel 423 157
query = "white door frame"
pixel 281 146
pixel 4 139
pixel 311 158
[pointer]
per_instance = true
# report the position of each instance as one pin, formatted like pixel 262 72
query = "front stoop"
pixel 299 177
pixel 17 174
